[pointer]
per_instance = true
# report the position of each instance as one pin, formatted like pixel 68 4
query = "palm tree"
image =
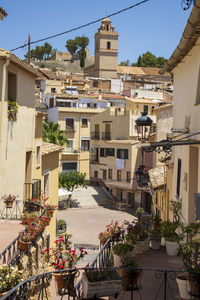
pixel 52 134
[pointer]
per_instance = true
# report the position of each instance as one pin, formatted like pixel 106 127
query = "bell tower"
pixel 106 50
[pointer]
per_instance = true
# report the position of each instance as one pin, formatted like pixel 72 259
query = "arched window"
pixel 108 45
pixel 107 27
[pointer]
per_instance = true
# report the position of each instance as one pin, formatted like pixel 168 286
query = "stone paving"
pixel 8 232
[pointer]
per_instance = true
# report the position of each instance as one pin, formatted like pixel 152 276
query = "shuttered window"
pixel 122 153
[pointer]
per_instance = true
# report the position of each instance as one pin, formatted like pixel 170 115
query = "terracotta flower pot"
pixel 9 203
pixel 194 283
pixel 65 282
pixel 23 245
pixel 130 279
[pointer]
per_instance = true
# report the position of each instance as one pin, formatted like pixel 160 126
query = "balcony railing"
pixel 11 255
pixel 13 212
pixel 95 135
pixel 73 151
pixel 32 190
pixel 106 135
pixel 94 159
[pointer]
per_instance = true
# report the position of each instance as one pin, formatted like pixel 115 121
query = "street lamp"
pixel 143 124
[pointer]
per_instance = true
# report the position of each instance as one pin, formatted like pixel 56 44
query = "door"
pixel 28 167
pixel 107 131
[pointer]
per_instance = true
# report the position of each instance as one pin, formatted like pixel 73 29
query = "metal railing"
pixel 95 135
pixel 94 158
pixel 32 190
pixel 154 284
pixel 12 213
pixel 106 135
pixel 11 255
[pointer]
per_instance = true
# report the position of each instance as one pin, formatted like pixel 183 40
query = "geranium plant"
pixel 9 278
pixel 111 229
pixel 61 258
pixel 12 110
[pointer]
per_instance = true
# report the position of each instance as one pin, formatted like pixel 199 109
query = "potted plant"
pixel 8 200
pixel 121 251
pixel 49 210
pixel 9 278
pixel 190 252
pixel 27 218
pixel 100 283
pixel 12 110
pixel 156 222
pixel 155 238
pixel 171 237
pixel 111 229
pixel 25 240
pixel 61 226
pixel 129 275
pixel 61 258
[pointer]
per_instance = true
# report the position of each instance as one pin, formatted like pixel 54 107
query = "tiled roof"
pixel 50 148
pixel 5 54
pixel 157 176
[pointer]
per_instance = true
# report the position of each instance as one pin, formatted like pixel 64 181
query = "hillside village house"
pixel 115 156
pixel 26 163
pixel 184 63
pixel 76 123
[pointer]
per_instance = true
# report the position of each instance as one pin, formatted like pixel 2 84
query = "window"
pixel 88 105
pixel 110 151
pixel 85 144
pixel 95 83
pixel 104 174
pixel 122 153
pixel 84 122
pixel 95 105
pixel 108 45
pixel 70 124
pixel 70 146
pixel 12 87
pixel 53 90
pixel 119 175
pixel 146 109
pixel 110 174
pixel 178 178
pixel 102 152
pixel 128 176
pixel 38 156
pixel 107 27
pixel 46 185
pixel 69 166
pixel 95 174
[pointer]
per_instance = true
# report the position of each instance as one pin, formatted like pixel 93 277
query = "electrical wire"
pixel 82 26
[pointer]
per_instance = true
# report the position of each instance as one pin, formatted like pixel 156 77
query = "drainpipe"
pixel 3 94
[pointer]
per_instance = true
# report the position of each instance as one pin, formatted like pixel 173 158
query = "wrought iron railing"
pixel 154 284
pixel 32 190
pixel 106 135
pixel 11 255
pixel 95 135
pixel 14 212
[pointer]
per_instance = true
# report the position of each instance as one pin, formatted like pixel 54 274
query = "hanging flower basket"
pixel 8 200
pixel 23 246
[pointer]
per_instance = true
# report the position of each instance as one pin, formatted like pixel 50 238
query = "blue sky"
pixel 155 26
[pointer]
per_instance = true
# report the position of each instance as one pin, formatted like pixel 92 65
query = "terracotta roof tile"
pixel 50 148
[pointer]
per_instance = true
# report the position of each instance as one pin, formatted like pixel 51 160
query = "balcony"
pixel 94 159
pixel 71 151
pixel 106 135
pixel 95 135
pixel 32 190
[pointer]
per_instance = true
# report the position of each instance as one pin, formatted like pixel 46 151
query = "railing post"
pixel 165 285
